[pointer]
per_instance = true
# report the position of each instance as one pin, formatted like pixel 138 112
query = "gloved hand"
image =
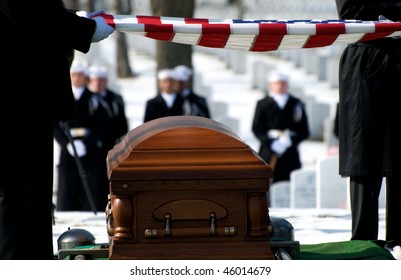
pixel 285 139
pixel 79 146
pixel 103 30
pixel 281 144
pixel 89 15
pixel 384 19
pixel 82 13
pixel 277 147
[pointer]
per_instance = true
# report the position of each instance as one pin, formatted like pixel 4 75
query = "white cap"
pixel 167 73
pixel 184 72
pixel 79 67
pixel 97 71
pixel 275 76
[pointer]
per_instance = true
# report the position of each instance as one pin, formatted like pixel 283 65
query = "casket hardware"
pixel 169 231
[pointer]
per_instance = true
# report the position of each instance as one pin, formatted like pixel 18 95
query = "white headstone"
pixel 303 188
pixel 280 194
pixel 331 189
pixel 320 111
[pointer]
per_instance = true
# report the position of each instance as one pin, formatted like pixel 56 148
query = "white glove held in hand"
pixel 89 15
pixel 79 146
pixel 103 30
pixel 278 147
pixel 285 140
pixel 82 13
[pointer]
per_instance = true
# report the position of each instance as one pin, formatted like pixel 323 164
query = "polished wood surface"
pixel 187 187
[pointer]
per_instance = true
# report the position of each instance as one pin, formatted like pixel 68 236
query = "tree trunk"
pixel 123 67
pixel 240 8
pixel 169 55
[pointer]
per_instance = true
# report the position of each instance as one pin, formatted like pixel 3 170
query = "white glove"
pixel 280 145
pixel 79 146
pixel 285 140
pixel 277 147
pixel 82 13
pixel 384 19
pixel 89 15
pixel 103 30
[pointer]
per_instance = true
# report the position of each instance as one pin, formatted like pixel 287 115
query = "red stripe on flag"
pixel 196 20
pixel 382 30
pixel 374 36
pixel 155 29
pixel 109 20
pixel 148 19
pixel 326 34
pixel 388 27
pixel 164 32
pixel 316 41
pixel 214 35
pixel 270 37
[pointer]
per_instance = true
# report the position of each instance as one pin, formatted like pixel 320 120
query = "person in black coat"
pixel 35 35
pixel 369 121
pixel 115 125
pixel 168 101
pixel 280 124
pixel 194 104
pixel 87 130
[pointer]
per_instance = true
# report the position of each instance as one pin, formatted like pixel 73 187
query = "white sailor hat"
pixel 167 73
pixel 184 72
pixel 97 71
pixel 276 76
pixel 79 67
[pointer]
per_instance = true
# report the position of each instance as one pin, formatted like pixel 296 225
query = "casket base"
pixel 256 250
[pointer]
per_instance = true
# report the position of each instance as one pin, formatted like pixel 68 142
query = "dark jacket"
pixel 87 126
pixel 369 86
pixel 292 117
pixel 37 31
pixel 156 108
pixel 36 38
pixel 198 104
pixel 118 125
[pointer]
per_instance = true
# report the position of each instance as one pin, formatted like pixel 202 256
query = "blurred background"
pixel 232 80
pixel 316 199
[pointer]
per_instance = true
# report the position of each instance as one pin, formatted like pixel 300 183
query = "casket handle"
pixel 169 232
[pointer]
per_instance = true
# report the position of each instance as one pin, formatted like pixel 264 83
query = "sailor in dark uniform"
pixel 280 124
pixel 194 104
pixel 168 101
pixel 115 123
pixel 86 129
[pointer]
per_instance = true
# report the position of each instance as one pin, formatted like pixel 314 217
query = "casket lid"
pixel 184 147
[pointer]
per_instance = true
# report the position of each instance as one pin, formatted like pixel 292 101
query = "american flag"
pixel 254 35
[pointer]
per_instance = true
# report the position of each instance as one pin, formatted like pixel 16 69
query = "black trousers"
pixel 365 193
pixel 26 190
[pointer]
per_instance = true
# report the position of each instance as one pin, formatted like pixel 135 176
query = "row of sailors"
pixel 100 123
pixel 175 96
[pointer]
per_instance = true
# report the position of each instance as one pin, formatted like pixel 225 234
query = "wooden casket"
pixel 187 187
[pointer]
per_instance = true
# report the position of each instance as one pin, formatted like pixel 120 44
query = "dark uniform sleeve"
pixel 301 124
pixel 259 123
pixel 368 9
